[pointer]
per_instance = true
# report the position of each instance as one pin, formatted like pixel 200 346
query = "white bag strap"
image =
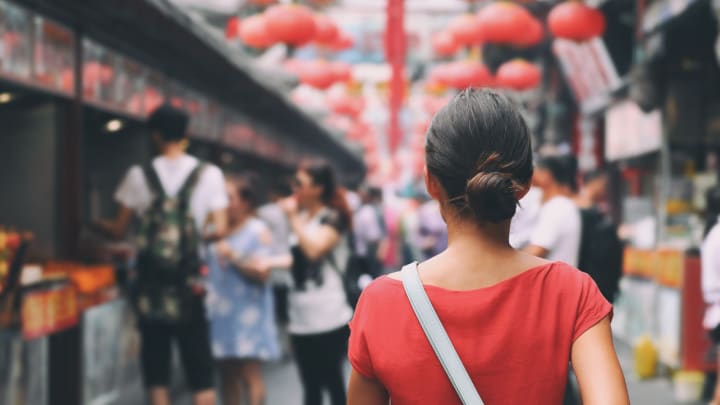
pixel 438 337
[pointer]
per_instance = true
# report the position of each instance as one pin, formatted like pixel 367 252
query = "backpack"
pixel 601 252
pixel 168 261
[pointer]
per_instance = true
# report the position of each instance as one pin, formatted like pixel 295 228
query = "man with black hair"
pixel 557 232
pixel 181 202
pixel 601 250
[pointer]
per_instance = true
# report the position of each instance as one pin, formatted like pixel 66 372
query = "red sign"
pixel 46 312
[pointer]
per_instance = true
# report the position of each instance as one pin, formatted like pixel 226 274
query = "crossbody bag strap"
pixel 438 337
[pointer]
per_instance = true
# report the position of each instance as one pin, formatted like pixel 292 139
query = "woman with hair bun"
pixel 514 320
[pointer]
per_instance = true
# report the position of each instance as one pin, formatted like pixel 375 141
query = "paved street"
pixel 284 385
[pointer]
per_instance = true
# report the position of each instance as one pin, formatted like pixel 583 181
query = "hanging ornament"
pixel 291 24
pixel 232 28
pixel 504 23
pixel 327 30
pixel 444 44
pixel 254 32
pixel 466 30
pixel 343 41
pixel 518 74
pixel 575 21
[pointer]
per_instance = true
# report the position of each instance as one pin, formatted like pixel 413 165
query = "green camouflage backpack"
pixel 168 253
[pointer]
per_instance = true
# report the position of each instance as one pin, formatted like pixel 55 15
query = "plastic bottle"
pixel 646 357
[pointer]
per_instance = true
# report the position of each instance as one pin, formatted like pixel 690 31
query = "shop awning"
pixel 164 37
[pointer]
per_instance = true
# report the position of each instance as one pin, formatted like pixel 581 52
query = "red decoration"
pixel 346 105
pixel 461 75
pixel 504 23
pixel 262 3
pixel 316 74
pixel 254 32
pixel 327 31
pixel 466 30
pixel 343 42
pixel 341 71
pixel 444 44
pixel 576 21
pixel 232 28
pixel 291 24
pixel 432 105
pixel 534 34
pixel 518 75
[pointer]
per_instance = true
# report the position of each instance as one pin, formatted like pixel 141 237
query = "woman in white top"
pixel 710 263
pixel 318 309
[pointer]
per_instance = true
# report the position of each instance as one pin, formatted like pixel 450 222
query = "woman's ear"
pixel 522 191
pixel 432 185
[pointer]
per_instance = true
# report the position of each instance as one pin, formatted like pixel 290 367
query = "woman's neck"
pixel 465 237
pixel 313 207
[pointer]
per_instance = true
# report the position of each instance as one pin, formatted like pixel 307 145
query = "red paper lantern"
pixel 533 35
pixel 291 24
pixel 504 23
pixel 232 28
pixel 341 71
pixel 346 105
pixel 262 3
pixel 254 32
pixel 466 30
pixel 317 74
pixel 518 75
pixel 576 21
pixel 461 75
pixel 444 44
pixel 327 31
pixel 343 42
pixel 432 105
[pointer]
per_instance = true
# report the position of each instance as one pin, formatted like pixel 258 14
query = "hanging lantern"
pixel 341 71
pixel 262 3
pixel 533 35
pixel 444 44
pixel 291 24
pixel 576 21
pixel 466 30
pixel 518 74
pixel 317 74
pixel 342 42
pixel 254 32
pixel 345 105
pixel 504 23
pixel 461 75
pixel 232 28
pixel 327 30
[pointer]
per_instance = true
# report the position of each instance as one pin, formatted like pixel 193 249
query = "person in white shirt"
pixel 525 219
pixel 207 203
pixel 320 220
pixel 710 266
pixel 557 233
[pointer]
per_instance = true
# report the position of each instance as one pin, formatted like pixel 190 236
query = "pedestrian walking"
pixel 514 320
pixel 182 203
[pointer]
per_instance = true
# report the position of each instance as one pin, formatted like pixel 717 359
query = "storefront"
pixel 76 84
pixel 660 137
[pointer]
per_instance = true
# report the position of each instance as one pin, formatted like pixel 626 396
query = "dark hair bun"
pixel 491 196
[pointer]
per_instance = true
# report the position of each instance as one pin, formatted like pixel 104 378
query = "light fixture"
pixel 5 98
pixel 114 125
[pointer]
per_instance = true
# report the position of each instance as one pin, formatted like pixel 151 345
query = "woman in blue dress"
pixel 239 300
